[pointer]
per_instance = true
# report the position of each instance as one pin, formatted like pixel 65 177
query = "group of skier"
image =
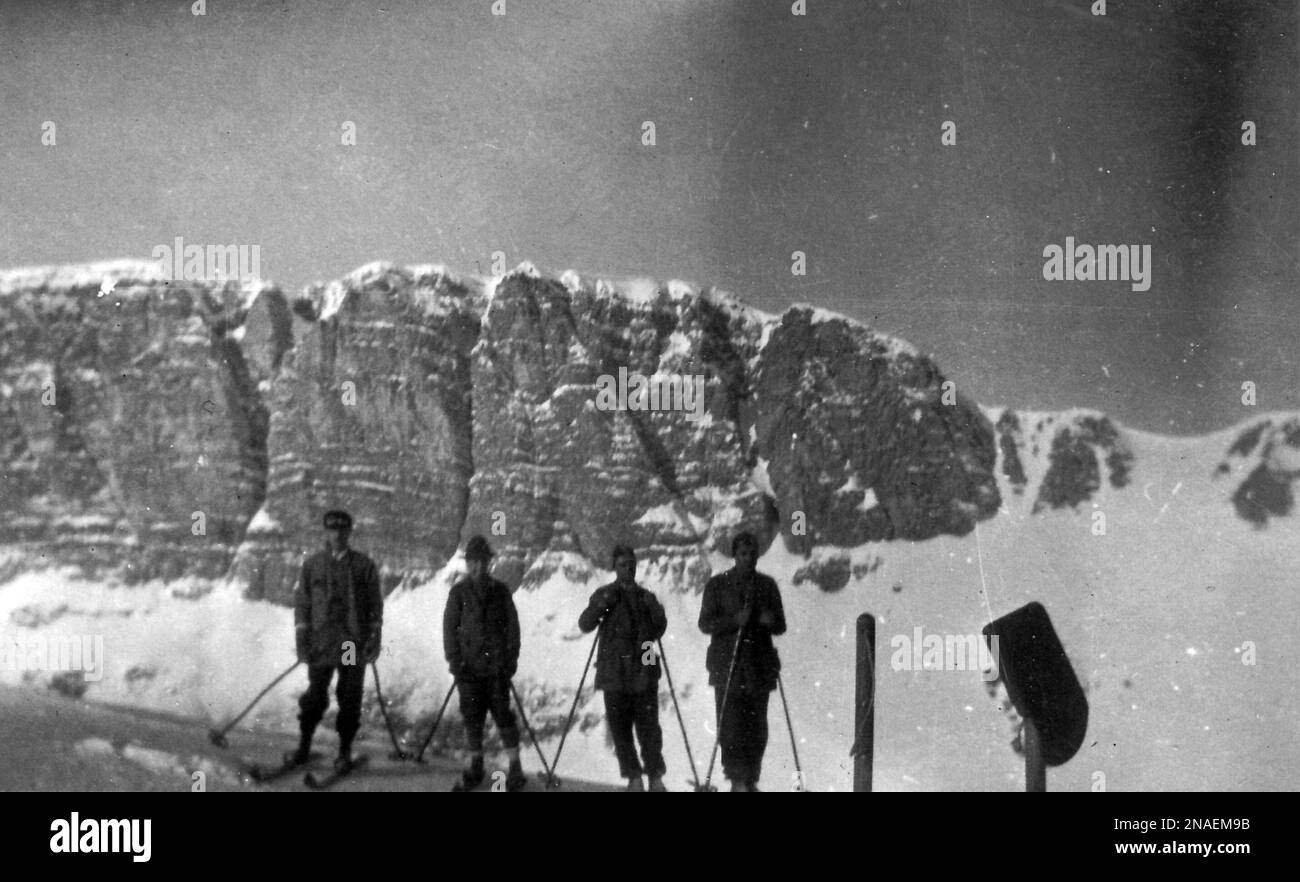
pixel 338 621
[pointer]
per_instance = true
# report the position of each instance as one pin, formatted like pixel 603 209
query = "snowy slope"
pixel 1157 615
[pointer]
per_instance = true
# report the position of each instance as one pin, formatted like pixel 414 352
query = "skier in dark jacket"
pixel 480 633
pixel 742 605
pixel 631 620
pixel 338 615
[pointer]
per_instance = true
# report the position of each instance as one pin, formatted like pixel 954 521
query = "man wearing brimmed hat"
pixel 338 617
pixel 741 610
pixel 631 621
pixel 480 634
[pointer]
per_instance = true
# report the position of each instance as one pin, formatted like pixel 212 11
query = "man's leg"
pixel 504 717
pixel 352 682
pixel 311 707
pixel 757 732
pixel 620 714
pixel 473 710
pixel 650 735
pixel 730 736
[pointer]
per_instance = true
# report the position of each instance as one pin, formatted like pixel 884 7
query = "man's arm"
pixel 512 633
pixel 658 618
pixel 773 615
pixel 712 621
pixel 596 609
pixel 451 631
pixel 374 600
pixel 302 614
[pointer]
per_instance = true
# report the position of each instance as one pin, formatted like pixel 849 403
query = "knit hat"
pixel 477 548
pixel 338 520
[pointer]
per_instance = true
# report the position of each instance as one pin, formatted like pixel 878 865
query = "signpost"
pixel 864 722
pixel 1043 687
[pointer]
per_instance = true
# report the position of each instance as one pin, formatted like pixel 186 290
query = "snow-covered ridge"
pixel 636 291
pixel 121 279
pixel 1040 454
pixel 80 275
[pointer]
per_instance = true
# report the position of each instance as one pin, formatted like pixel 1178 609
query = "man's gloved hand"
pixel 374 643
pixel 300 642
pixel 766 619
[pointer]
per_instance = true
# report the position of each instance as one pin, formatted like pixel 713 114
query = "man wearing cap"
pixel 480 634
pixel 338 617
pixel 741 610
pixel 631 621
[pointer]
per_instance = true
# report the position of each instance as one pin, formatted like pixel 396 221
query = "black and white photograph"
pixel 650 396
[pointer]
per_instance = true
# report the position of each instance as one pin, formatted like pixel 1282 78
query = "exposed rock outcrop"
pixel 1266 492
pixel 857 436
pixel 134 434
pixel 555 470
pixel 1066 456
pixel 370 412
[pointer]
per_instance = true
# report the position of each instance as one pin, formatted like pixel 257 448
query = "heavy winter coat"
pixel 336 601
pixel 632 618
pixel 480 629
pixel 757 663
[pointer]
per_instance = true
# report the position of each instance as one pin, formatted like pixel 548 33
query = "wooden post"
pixel 864 720
pixel 1035 768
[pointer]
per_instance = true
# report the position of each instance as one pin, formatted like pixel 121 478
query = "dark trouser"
pixel 743 733
pixel 478 695
pixel 312 704
pixel 623 711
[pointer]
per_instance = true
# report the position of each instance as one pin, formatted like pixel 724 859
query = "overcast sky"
pixel 774 133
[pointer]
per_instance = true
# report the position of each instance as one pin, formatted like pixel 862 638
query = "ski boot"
pixel 471 777
pixel 515 778
pixel 299 757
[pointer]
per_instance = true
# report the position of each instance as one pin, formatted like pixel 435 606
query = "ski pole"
pixel 550 774
pixel 572 708
pixel 793 748
pixel 419 757
pixel 218 737
pixel 726 689
pixel 680 721
pixel 398 753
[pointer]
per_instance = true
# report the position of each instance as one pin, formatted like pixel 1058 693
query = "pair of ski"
pixel 310 780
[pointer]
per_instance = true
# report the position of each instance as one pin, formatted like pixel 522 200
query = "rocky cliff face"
pixel 434 407
pixel 812 427
pixel 370 412
pixel 857 435
pixel 554 471
pixel 133 433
